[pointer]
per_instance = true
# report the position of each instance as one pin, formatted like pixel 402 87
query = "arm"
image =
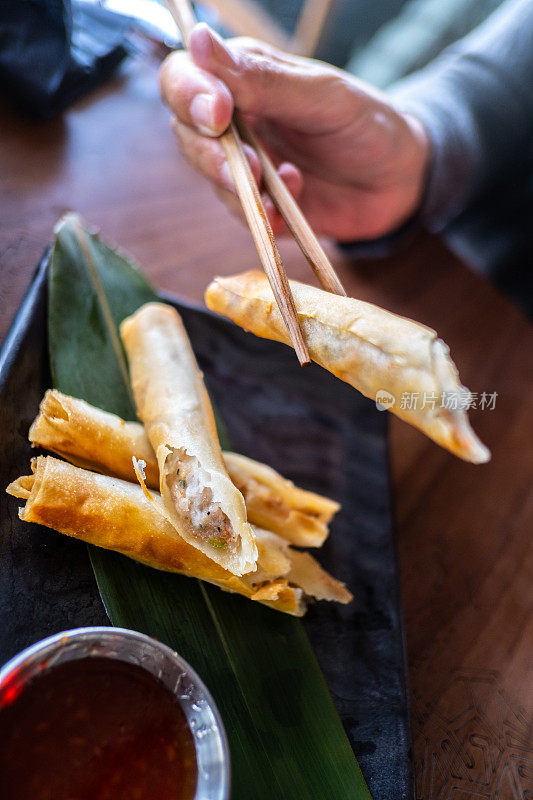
pixel 356 159
pixel 476 102
pixel 356 165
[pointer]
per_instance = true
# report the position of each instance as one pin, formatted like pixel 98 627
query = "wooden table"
pixel 464 532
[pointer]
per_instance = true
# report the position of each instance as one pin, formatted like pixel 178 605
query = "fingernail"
pixel 226 178
pixel 269 207
pixel 202 113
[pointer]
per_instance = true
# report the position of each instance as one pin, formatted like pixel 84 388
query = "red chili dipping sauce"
pixel 95 729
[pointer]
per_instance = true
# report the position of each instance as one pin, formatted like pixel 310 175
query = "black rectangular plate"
pixel 311 427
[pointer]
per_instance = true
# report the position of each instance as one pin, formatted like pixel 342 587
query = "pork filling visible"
pixel 193 498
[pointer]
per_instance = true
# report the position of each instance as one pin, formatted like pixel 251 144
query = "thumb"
pixel 264 82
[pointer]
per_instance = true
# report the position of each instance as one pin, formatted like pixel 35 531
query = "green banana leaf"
pixel 285 736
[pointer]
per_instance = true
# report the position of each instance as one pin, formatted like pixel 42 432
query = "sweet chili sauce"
pixel 95 729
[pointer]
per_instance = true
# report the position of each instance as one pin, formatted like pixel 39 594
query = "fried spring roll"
pixel 92 438
pixel 116 515
pixel 377 352
pixel 172 401
pixel 275 503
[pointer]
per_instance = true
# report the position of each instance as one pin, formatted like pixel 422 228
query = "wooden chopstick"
pixel 292 214
pixel 249 18
pixel 252 204
pixel 264 238
pixel 309 27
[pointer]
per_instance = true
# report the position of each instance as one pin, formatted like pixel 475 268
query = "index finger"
pixel 197 98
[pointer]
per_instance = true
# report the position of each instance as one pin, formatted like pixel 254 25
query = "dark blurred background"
pixel 52 51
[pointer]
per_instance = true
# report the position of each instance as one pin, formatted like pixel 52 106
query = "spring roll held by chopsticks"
pixel 201 501
pixel 116 515
pixel 95 439
pixel 366 346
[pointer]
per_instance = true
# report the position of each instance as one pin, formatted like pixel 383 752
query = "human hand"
pixel 356 165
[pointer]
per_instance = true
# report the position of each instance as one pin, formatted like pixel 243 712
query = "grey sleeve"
pixel 476 102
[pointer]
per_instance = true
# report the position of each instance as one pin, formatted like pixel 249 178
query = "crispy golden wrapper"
pixel 172 401
pixel 89 437
pixel 384 356
pixel 116 515
pixel 275 503
pixel 92 438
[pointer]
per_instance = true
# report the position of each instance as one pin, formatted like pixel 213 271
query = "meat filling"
pixel 187 481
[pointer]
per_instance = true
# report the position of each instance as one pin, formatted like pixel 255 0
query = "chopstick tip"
pixel 303 356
